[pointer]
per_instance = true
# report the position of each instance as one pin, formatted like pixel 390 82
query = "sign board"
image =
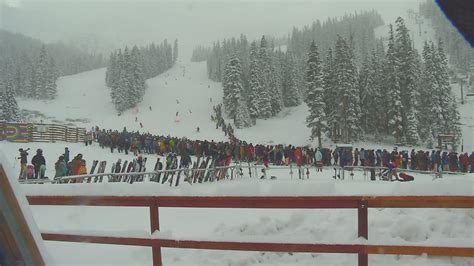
pixel 344 146
pixel 446 139
pixel 41 128
pixel 16 132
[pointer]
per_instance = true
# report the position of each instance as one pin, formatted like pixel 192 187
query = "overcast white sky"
pixel 104 24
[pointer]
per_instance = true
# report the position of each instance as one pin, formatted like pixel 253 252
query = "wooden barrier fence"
pixel 360 203
pixel 30 132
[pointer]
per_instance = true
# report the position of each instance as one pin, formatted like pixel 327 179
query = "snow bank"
pixel 450 185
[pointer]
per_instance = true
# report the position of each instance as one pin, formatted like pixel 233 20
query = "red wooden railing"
pixel 331 202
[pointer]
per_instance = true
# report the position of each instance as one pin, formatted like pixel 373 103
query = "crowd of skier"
pixel 240 151
pixel 218 118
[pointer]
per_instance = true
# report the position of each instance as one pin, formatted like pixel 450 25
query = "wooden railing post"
pixel 363 230
pixel 155 225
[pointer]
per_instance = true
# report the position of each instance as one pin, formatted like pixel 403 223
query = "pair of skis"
pixel 100 170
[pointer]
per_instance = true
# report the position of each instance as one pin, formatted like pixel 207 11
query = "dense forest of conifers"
pixel 129 68
pixel 29 69
pixel 353 83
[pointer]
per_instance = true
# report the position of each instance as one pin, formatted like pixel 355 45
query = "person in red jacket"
pixel 250 152
pixel 464 161
pixel 405 177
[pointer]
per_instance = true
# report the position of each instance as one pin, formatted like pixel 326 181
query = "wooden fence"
pixel 29 132
pixel 327 202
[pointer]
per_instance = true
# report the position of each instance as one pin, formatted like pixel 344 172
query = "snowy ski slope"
pixel 184 89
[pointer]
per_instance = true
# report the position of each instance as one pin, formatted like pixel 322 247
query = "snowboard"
pixel 93 167
pixel 100 170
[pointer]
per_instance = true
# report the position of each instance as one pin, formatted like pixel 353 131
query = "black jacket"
pixel 38 160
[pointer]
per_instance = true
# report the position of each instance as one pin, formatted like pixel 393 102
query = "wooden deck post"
pixel 363 229
pixel 155 225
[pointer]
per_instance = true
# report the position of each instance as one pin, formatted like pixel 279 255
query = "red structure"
pixel 331 202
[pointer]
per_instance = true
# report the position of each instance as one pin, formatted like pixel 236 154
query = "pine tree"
pixel 446 117
pixel 270 99
pixel 175 51
pixel 425 97
pixel 232 86
pixel 394 105
pixel 255 88
pixel 135 75
pixel 331 94
pixel 10 111
pixel 371 95
pixel 3 104
pixel 242 116
pixel 365 94
pixel 316 119
pixel 346 81
pixel 51 77
pixel 275 86
pixel 40 77
pixel 407 71
pixel 290 93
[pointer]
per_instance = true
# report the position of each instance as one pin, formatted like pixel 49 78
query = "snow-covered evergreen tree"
pixel 270 94
pixel 3 104
pixel 346 82
pixel 136 76
pixel 408 73
pixel 394 105
pixel 232 86
pixel 372 96
pixel 10 107
pixel 128 70
pixel 242 116
pixel 412 136
pixel 446 117
pixel 331 94
pixel 255 88
pixel 316 120
pixel 175 51
pixel 51 77
pixel 290 92
pixel 425 97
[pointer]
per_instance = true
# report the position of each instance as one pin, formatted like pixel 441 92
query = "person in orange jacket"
pixel 298 154
pixel 398 160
